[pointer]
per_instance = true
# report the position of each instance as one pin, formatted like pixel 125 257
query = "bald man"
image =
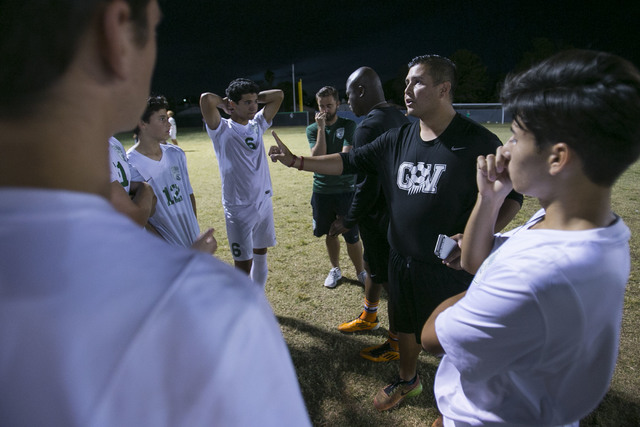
pixel 369 207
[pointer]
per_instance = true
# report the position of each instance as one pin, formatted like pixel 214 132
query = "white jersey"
pixel 244 170
pixel 119 165
pixel 174 217
pixel 173 131
pixel 538 326
pixel 102 324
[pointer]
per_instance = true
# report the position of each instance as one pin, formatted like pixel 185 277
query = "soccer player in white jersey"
pixel 164 167
pixel 244 171
pixel 101 324
pixel 129 195
pixel 173 131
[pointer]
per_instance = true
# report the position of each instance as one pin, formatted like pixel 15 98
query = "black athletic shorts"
pixel 417 288
pixel 376 252
pixel 326 208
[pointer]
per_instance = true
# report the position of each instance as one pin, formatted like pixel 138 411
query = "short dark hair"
pixel 440 69
pixel 587 99
pixel 328 91
pixel 39 40
pixel 154 103
pixel 239 87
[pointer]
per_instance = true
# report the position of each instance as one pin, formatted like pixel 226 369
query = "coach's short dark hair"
pixel 154 103
pixel 39 40
pixel 440 69
pixel 239 87
pixel 589 100
pixel 328 91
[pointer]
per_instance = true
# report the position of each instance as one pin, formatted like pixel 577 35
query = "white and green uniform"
pixel 119 165
pixel 244 170
pixel 246 184
pixel 174 217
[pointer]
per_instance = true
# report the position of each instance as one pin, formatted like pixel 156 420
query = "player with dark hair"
pixel 427 173
pixel 332 195
pixel 534 340
pixel 239 87
pixel 244 170
pixel 102 324
pixel 369 207
pixel 164 167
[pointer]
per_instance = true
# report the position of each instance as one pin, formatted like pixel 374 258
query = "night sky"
pixel 202 45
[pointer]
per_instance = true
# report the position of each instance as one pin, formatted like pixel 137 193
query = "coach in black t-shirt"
pixel 369 208
pixel 427 170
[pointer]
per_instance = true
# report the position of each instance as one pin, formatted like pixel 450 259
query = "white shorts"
pixel 250 227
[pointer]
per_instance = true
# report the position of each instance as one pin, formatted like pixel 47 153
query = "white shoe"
pixel 362 276
pixel 332 279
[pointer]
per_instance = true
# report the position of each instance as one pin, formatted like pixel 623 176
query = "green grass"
pixel 338 385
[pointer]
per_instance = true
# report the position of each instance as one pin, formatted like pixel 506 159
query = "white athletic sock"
pixel 259 269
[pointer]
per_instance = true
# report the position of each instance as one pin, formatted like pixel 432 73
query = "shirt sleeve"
pixel 263 124
pixel 312 133
pixel 187 181
pixel 367 186
pixel 349 131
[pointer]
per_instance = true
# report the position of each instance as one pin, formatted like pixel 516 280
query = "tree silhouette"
pixel 473 79
pixel 542 48
pixel 287 102
pixel 394 88
pixel 268 78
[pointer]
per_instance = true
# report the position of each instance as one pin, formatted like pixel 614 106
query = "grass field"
pixel 338 385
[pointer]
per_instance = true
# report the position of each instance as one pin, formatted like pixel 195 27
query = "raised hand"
pixel 321 119
pixel 280 152
pixel 493 174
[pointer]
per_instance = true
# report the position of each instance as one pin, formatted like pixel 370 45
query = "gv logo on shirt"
pixel 419 178
pixel 340 133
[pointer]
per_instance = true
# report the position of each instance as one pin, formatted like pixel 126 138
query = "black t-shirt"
pixel 369 207
pixel 430 186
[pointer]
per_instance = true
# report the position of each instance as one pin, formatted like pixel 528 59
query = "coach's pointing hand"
pixel 280 152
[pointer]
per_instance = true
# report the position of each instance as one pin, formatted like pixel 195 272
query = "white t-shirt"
pixel 244 170
pixel 535 339
pixel 102 324
pixel 119 165
pixel 174 217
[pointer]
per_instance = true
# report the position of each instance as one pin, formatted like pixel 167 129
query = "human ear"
pixel 118 38
pixel 559 157
pixel 446 88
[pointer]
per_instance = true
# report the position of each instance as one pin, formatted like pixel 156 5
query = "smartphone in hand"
pixel 444 246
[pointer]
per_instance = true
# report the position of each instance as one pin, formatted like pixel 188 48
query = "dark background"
pixel 202 45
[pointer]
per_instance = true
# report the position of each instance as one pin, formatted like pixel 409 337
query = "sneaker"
pixel 380 353
pixel 359 324
pixel 332 279
pixel 362 276
pixel 394 393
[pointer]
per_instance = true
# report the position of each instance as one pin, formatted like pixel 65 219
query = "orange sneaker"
pixel 359 324
pixel 380 353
